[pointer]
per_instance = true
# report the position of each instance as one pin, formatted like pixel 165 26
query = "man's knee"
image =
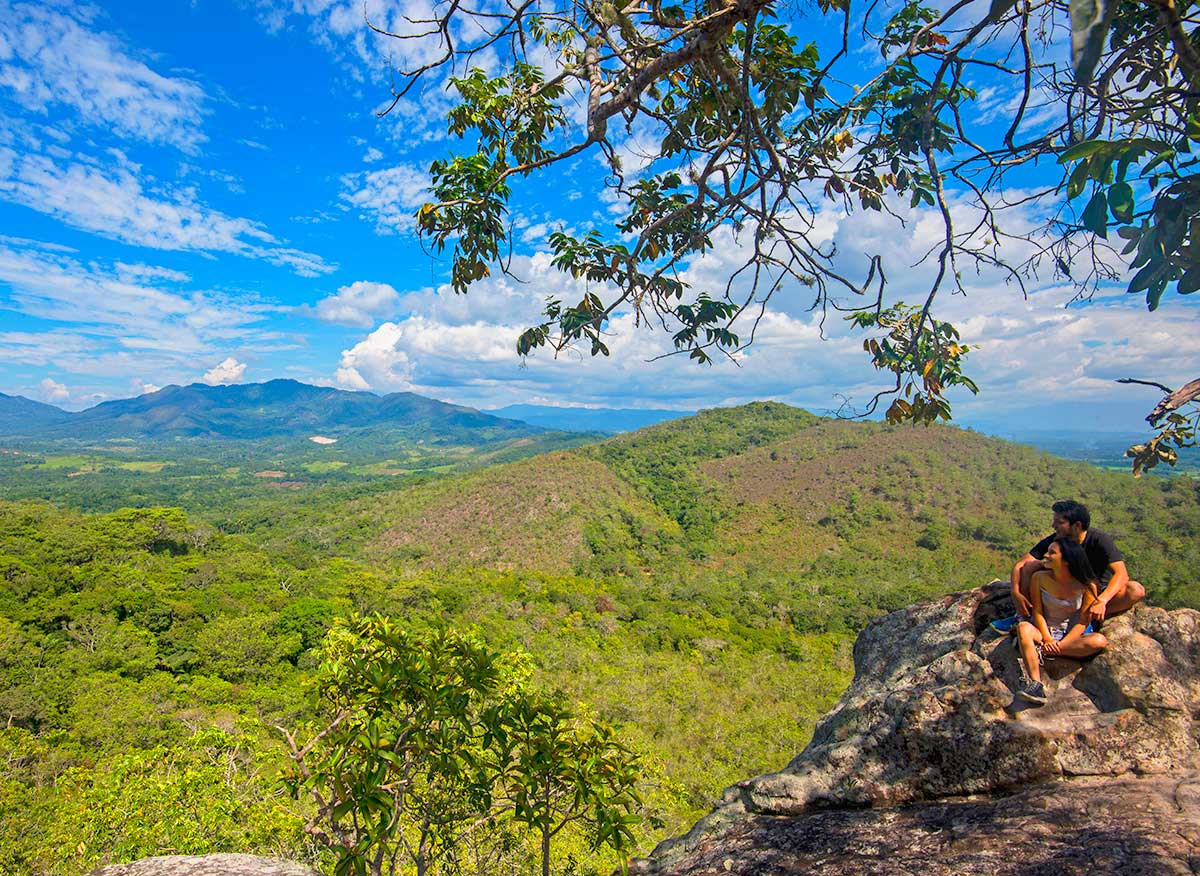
pixel 1134 592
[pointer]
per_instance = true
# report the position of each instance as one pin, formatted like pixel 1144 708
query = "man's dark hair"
pixel 1072 512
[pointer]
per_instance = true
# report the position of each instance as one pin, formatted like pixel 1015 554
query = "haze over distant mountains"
pixel 610 421
pixel 257 410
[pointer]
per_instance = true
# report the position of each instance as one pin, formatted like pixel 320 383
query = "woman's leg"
pixel 1085 646
pixel 1028 637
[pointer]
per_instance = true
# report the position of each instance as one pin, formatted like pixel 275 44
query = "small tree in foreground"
pixel 430 740
pixel 562 770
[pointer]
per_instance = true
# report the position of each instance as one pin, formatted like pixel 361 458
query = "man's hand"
pixel 1096 610
pixel 1023 605
pixel 1051 647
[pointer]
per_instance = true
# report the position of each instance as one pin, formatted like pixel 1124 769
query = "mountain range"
pixel 259 410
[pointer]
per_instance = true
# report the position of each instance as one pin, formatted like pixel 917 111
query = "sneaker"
pixel 1033 693
pixel 1004 624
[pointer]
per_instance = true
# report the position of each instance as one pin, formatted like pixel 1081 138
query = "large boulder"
pixel 928 760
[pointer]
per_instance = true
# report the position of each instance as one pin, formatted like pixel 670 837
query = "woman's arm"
pixel 1039 613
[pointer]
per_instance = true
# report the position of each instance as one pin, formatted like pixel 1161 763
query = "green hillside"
pixel 698 583
pixel 772 495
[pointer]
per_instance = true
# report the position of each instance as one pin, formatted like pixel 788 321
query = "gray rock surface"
pixel 930 718
pixel 205 865
pixel 1081 827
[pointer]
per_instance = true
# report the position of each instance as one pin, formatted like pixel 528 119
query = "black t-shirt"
pixel 1099 547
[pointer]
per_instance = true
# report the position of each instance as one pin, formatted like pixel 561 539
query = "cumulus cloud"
pixel 228 371
pixel 462 347
pixel 361 304
pixel 53 56
pixel 53 391
pixel 114 202
pixel 377 362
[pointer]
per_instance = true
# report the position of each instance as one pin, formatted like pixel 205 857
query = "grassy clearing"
pixel 326 467
pixel 148 466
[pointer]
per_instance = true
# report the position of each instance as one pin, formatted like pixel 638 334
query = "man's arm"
pixel 1116 584
pixel 1020 600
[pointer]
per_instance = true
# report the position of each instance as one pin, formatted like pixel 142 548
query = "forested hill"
pixel 771 494
pixel 256 410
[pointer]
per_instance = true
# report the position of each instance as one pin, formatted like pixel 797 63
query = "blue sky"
pixel 203 192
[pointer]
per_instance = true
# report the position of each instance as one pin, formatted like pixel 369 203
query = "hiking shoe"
pixel 1004 625
pixel 1033 693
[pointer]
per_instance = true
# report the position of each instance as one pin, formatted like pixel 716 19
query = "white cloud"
pixel 372 156
pixel 388 197
pixel 149 273
pixel 360 304
pixel 52 58
pixel 141 387
pixel 54 392
pixel 113 202
pixel 114 326
pixel 377 362
pixel 228 371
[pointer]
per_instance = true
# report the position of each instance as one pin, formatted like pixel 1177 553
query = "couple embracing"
pixel 1063 588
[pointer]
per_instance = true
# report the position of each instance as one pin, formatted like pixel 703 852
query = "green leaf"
pixel 1189 282
pixel 1154 293
pixel 1089 29
pixel 1143 278
pixel 1120 202
pixel 1095 214
pixel 1079 178
pixel 1082 149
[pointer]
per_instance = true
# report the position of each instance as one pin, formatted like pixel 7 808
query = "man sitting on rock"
pixel 1071 520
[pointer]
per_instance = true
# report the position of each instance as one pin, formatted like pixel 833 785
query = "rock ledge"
pixel 927 765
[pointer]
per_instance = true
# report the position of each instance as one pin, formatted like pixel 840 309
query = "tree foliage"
pixel 754 131
pixel 430 737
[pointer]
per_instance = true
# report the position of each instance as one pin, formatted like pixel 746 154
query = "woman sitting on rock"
pixel 1062 591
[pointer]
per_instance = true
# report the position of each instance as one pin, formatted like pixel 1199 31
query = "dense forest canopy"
pixel 753 118
pixel 672 583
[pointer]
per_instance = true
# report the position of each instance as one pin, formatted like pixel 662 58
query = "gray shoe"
pixel 1033 693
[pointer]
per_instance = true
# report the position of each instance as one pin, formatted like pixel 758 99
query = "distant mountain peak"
pixel 279 407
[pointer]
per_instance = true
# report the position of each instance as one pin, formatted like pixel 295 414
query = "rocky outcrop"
pixel 927 764
pixel 205 865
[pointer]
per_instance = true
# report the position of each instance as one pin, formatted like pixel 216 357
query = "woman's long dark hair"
pixel 1078 564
